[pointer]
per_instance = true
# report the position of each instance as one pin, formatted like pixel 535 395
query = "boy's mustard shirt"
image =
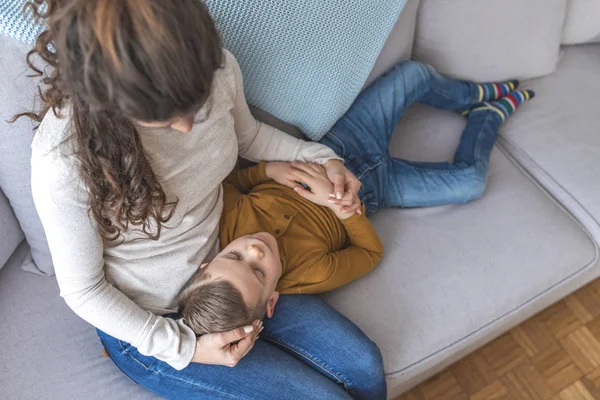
pixel 319 252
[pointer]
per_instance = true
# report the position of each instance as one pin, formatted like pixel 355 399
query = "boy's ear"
pixel 271 304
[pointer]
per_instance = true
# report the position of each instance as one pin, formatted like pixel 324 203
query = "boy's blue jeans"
pixel 306 351
pixel 362 137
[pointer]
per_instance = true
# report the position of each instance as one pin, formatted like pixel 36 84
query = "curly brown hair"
pixel 117 61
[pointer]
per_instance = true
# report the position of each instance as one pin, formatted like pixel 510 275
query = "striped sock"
pixel 506 105
pixel 495 90
pixel 491 91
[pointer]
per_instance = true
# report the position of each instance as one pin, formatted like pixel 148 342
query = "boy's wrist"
pixel 272 169
pixel 268 170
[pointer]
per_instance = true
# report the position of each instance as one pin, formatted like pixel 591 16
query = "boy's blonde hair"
pixel 210 306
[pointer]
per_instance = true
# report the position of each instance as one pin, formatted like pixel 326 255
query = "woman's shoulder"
pixel 230 63
pixel 230 74
pixel 51 145
pixel 52 132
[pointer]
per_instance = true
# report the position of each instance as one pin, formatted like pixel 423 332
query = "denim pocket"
pixel 368 193
pixel 370 202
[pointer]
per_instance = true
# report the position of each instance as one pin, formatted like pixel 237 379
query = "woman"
pixel 143 116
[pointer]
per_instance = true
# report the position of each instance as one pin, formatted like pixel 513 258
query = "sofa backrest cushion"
pixel 17 93
pixel 399 45
pixel 582 23
pixel 305 61
pixel 491 39
pixel 10 234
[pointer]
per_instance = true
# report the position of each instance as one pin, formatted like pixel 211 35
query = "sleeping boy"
pixel 305 243
pixel 275 242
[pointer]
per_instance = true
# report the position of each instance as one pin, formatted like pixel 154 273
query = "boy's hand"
pixel 315 177
pixel 278 171
pixel 320 187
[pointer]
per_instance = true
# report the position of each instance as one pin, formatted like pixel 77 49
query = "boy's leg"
pixel 371 120
pixel 419 184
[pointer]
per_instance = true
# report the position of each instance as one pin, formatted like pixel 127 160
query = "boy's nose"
pixel 255 252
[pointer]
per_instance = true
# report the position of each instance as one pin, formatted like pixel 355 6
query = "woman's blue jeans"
pixel 362 138
pixel 306 351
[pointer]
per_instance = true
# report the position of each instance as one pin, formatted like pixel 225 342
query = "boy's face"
pixel 250 263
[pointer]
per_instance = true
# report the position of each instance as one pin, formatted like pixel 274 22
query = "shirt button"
pixel 286 216
pixel 278 231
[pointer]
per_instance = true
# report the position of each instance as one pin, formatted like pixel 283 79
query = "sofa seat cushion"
pixel 453 274
pixel 48 352
pixel 558 139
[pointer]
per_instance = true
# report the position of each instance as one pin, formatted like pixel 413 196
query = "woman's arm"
pixel 260 142
pixel 77 253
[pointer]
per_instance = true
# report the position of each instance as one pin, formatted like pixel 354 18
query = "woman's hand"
pixel 320 188
pixel 315 178
pixel 346 186
pixel 226 348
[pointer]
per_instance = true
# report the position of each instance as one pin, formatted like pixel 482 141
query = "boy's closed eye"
pixel 258 271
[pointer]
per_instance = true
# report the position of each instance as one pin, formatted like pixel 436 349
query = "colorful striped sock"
pixel 491 91
pixel 495 90
pixel 506 105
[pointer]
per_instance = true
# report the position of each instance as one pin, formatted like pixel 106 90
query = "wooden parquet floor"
pixel 555 355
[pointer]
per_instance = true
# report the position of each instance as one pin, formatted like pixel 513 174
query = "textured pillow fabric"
pixel 10 233
pixel 491 39
pixel 397 48
pixel 305 61
pixel 17 93
pixel 582 23
pixel 18 24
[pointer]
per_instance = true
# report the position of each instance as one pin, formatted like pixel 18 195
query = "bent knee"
pixel 369 362
pixel 411 68
pixel 369 373
pixel 474 190
pixel 360 366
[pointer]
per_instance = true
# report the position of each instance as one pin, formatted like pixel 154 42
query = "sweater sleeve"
pixel 258 141
pixel 78 257
pixel 246 179
pixel 241 182
pixel 363 253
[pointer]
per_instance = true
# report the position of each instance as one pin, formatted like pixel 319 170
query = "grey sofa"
pixel 454 277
